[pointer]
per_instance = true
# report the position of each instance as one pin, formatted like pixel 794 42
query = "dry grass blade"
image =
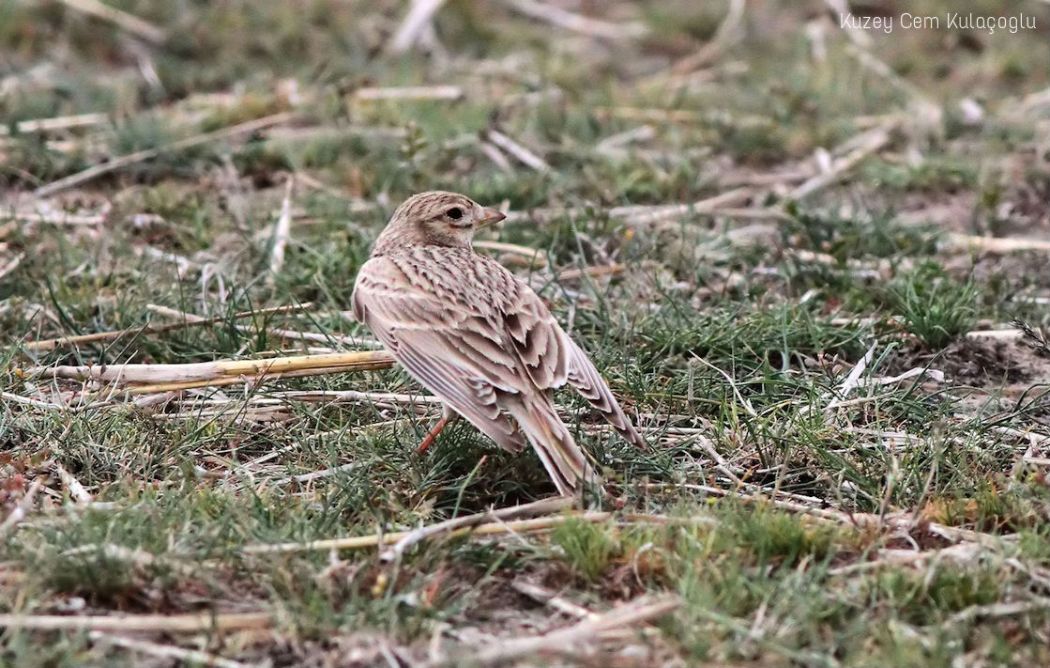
pixel 732 384
pixel 999 245
pixel 640 215
pixel 517 151
pixel 168 312
pixel 962 553
pixel 618 142
pixel 375 540
pixel 21 510
pixel 324 338
pixel 61 123
pixel 853 379
pixel 996 610
pixel 1009 334
pixel 649 114
pixel 397 93
pixel 416 21
pixel 123 20
pixel 496 156
pixel 54 218
pixel 335 396
pixel 568 640
pixel 287 334
pixel 76 490
pixel 11 264
pixel 315 475
pixel 177 386
pixel 535 256
pixel 190 623
pixel 140 156
pixel 754 213
pixel 575 273
pixel 159 651
pixel 727 33
pixel 281 231
pixel 217 371
pixel 543 507
pixel 29 401
pixel 643 214
pixel 584 25
pixel 552 600
pixel 189 320
pixel 863 520
pixel 866 145
pixel 133 557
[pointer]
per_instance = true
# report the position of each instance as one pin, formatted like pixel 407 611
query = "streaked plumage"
pixel 476 336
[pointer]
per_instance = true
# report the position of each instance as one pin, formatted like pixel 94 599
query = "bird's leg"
pixel 447 415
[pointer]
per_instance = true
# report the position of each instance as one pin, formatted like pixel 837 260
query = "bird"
pixel 478 337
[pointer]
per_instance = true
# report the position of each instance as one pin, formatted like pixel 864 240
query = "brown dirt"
pixel 976 362
pixel 1017 272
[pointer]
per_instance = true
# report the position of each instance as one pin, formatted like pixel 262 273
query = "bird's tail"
pixel 565 461
pixel 592 387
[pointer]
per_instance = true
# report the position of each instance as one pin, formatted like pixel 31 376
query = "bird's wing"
pixel 482 342
pixel 541 346
pixel 448 348
pixel 469 313
pixel 468 330
pixel 550 358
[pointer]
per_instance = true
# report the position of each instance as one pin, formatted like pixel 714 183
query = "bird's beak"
pixel 490 217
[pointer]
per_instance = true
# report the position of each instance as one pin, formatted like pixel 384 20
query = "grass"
pixel 935 307
pixel 802 518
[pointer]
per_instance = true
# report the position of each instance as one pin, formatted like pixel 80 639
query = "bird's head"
pixel 435 219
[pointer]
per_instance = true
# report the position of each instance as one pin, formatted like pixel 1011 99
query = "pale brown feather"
pixel 482 341
pixel 584 377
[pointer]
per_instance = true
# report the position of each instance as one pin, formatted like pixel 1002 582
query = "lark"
pixel 478 337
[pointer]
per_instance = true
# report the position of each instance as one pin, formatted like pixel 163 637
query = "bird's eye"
pixel 455 213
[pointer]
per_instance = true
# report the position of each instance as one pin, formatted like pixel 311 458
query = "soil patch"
pixel 975 362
